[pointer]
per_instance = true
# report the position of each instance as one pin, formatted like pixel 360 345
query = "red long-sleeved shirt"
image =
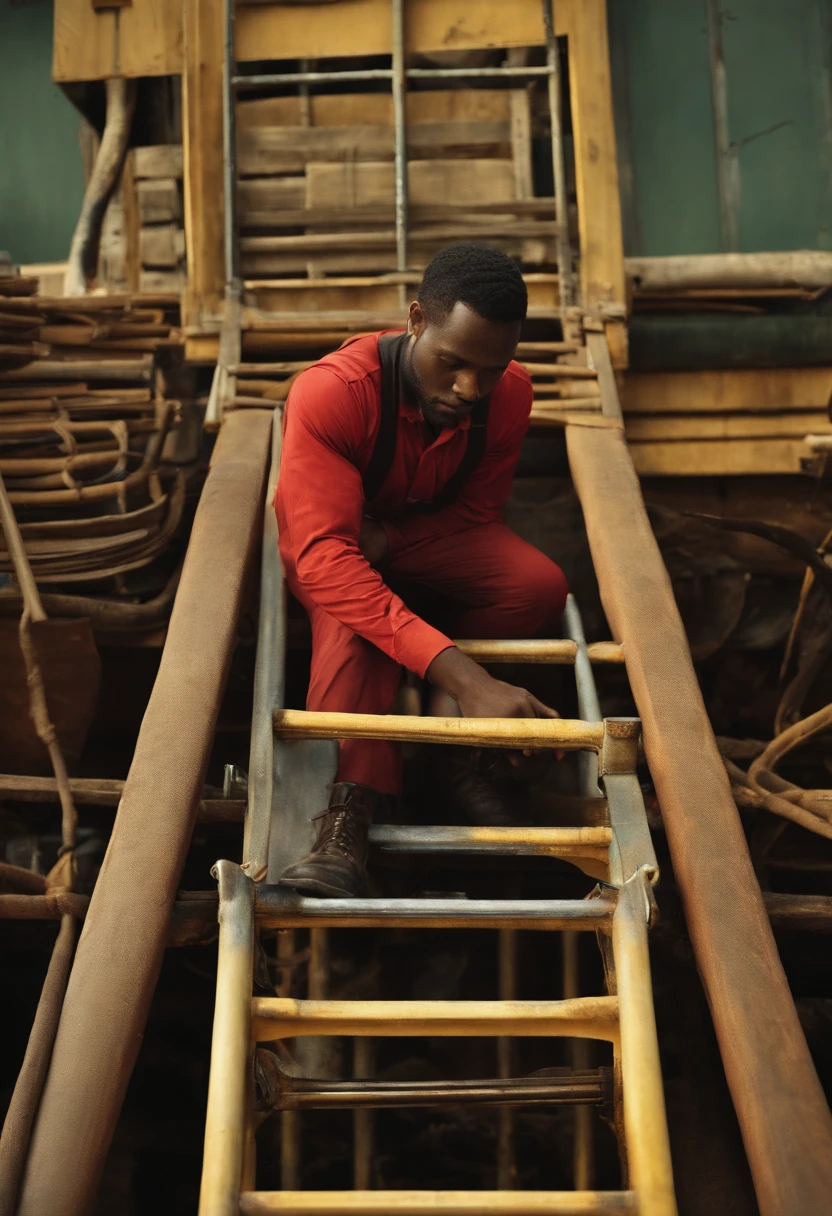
pixel 332 419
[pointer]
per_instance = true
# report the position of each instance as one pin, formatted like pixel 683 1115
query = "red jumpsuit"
pixel 362 632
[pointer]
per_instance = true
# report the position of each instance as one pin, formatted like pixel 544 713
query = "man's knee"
pixel 546 587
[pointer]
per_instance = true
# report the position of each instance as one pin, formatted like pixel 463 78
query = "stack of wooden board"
pixel 83 423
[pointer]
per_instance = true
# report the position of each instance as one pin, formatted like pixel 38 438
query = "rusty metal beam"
pixel 123 940
pixel 784 1118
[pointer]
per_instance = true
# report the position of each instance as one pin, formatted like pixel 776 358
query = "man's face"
pixel 452 364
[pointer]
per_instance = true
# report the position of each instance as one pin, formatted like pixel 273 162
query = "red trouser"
pixel 502 587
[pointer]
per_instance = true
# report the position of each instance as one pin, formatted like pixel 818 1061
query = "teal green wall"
pixel 777 58
pixel 41 177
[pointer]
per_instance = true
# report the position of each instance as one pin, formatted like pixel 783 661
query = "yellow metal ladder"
pixel 293 759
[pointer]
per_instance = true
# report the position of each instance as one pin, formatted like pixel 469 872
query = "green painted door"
pixel 724 120
pixel 41 178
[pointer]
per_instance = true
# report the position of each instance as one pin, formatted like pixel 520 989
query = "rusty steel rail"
pixel 783 1115
pixel 115 972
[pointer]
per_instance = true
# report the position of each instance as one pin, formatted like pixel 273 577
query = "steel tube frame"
pixel 540 650
pixel 269 676
pixel 359 74
pixel 228 1097
pixel 583 1088
pixel 277 908
pixel 645 1121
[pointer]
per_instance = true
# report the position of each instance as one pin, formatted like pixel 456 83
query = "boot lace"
pixel 339 834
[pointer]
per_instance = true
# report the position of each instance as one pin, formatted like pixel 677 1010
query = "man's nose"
pixel 465 386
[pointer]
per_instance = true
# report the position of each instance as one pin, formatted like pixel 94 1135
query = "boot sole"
pixel 315 888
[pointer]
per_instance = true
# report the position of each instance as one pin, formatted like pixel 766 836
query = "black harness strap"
pixel 390 349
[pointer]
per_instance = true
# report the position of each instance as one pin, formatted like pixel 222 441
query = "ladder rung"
pixel 538 650
pixel 427 1203
pixel 569 733
pixel 278 908
pixel 589 1017
pixel 543 842
pixel 566 1088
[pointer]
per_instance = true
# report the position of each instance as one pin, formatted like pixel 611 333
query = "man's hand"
pixel 373 541
pixel 478 694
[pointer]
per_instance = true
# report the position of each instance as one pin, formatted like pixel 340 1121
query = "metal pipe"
pixel 645 1122
pixel 589 707
pixel 582 1090
pixel 428 1203
pixel 277 908
pixel 507 981
pixel 583 1149
pixel 594 1017
pixel 269 677
pixel 100 1029
pixel 539 842
pixel 337 77
pixel 564 249
pixel 229 160
pixel 572 735
pixel 538 650
pixel 272 78
pixel 400 121
pixel 228 1082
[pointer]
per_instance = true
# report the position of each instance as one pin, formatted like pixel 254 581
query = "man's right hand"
pixel 478 694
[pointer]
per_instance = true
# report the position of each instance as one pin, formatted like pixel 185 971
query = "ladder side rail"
pixel 229 145
pixel 269 678
pixel 645 1119
pixel 564 249
pixel 229 1099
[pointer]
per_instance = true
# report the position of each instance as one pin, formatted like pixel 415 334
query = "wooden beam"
pixel 746 390
pixel 596 166
pixel 718 458
pixel 202 141
pixel 364 27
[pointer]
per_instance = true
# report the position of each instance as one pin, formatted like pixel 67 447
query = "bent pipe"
pixel 123 940
pixel 785 1122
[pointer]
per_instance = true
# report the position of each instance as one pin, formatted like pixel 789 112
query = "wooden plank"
pixel 264 150
pixel 371 183
pixel 203 160
pixel 363 27
pixel 269 194
pixel 715 458
pixel 159 201
pixel 528 251
pixel 162 245
pixel 144 39
pixel 596 166
pixel 681 427
pixel 521 142
pixel 379 214
pixel 158 160
pixel 132 222
pixel 747 390
pixel 384 237
pixel 363 109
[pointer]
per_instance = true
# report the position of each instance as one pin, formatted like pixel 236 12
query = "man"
pixel 398 458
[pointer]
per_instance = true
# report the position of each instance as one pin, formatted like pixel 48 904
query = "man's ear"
pixel 416 319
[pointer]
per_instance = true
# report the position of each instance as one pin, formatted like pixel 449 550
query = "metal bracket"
pixel 619 750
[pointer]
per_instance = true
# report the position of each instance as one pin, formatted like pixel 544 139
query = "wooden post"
pixel 203 162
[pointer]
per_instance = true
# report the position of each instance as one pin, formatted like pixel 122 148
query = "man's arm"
pixel 322 500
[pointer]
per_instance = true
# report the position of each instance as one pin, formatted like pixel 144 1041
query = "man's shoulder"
pixel 357 360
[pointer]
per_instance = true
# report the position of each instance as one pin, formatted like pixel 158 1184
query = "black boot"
pixel 335 868
pixel 468 787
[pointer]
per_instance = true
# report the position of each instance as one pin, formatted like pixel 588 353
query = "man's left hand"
pixel 373 541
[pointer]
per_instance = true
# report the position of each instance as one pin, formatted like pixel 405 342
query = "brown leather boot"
pixel 335 869
pixel 468 787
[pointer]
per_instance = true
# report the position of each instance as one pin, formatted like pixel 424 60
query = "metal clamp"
pixel 619 750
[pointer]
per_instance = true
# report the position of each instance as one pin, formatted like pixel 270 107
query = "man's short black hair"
pixel 477 275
